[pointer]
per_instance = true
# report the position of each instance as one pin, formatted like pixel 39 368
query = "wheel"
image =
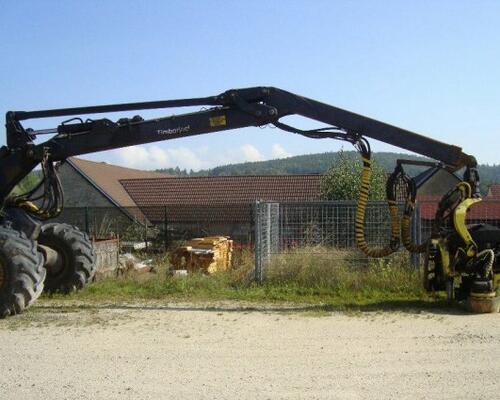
pixel 21 272
pixel 77 265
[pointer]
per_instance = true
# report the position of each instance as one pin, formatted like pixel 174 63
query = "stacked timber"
pixel 208 254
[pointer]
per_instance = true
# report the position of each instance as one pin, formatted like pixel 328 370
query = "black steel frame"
pixel 232 109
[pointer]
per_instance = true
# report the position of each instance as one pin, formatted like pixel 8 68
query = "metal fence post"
pixel 268 232
pixel 257 244
pixel 418 231
pixel 414 257
pixel 165 227
pixel 251 233
pixel 87 227
pixel 94 224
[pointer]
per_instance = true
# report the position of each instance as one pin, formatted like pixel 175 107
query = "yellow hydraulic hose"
pixel 360 217
pixel 405 230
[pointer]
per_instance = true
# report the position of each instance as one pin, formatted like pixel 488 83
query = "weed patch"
pixel 306 276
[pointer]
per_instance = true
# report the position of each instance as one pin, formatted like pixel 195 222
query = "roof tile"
pixel 494 191
pixel 222 189
pixel 487 210
pixel 204 198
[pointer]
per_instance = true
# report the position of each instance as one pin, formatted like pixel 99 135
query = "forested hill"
pixel 318 164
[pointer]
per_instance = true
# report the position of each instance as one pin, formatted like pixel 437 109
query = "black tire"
pixel 78 266
pixel 21 272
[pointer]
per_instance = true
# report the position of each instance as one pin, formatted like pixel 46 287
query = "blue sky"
pixel 429 66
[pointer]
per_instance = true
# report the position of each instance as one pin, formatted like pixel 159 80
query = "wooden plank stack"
pixel 208 254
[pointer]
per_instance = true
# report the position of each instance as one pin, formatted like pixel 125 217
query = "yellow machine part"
pixel 445 257
pixel 360 217
pixel 396 228
pixel 459 222
pixel 406 233
pixel 32 208
pixel 459 216
pixel 28 206
pixel 478 302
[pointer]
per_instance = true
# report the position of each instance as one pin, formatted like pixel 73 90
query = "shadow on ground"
pixel 439 307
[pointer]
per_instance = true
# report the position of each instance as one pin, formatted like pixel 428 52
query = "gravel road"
pixel 228 352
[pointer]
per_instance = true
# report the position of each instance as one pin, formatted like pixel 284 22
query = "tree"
pixel 343 179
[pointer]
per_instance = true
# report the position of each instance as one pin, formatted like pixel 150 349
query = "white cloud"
pixel 134 157
pixel 278 151
pixel 154 157
pixel 150 157
pixel 185 159
pixel 250 153
pixel 159 156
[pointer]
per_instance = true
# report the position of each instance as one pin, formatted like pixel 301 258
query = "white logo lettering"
pixel 174 131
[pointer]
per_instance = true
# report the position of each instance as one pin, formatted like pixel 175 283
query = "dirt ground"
pixel 186 351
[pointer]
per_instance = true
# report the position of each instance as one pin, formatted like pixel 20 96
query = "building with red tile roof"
pixel 488 210
pixel 218 197
pixel 95 186
pixel 494 191
pixel 78 173
pixel 224 203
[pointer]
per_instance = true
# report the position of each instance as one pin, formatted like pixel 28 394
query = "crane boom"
pixel 462 262
pixel 233 109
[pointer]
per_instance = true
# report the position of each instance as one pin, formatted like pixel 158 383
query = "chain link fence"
pixel 269 228
pixel 267 235
pixel 328 228
pixel 158 228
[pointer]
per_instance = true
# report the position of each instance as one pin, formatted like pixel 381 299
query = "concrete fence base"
pixel 107 258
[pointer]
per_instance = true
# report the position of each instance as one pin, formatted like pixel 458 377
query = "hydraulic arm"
pixel 230 110
pixel 259 106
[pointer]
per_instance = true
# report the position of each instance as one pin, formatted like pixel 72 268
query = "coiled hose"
pixel 361 212
pixel 406 235
pixel 411 194
pixel 46 199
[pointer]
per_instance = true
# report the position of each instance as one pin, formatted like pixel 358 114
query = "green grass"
pixel 317 276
